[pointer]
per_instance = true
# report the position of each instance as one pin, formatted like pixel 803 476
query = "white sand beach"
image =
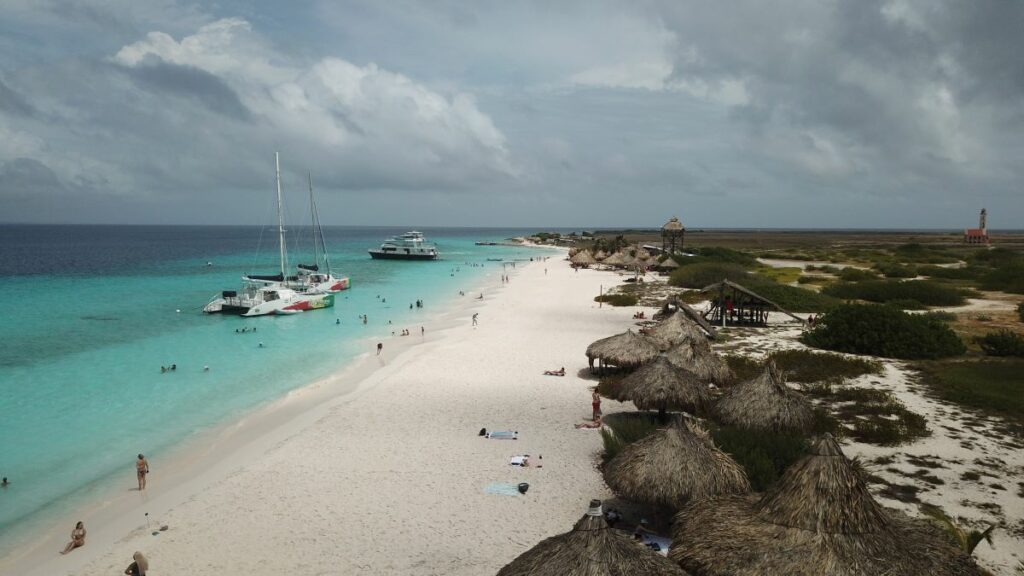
pixel 389 478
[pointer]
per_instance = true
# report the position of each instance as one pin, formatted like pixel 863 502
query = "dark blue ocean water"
pixel 91 313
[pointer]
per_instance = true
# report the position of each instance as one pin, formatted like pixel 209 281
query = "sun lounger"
pixel 503 435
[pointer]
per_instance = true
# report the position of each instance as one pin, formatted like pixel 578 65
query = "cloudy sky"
pixel 793 113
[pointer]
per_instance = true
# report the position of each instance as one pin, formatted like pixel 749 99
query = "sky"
pixel 793 113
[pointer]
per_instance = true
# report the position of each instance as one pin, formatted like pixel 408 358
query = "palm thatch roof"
pixel 583 257
pixel 601 255
pixel 615 259
pixel 702 361
pixel 673 466
pixel 624 350
pixel 660 385
pixel 592 548
pixel 675 329
pixel 673 224
pixel 765 403
pixel 819 519
pixel 668 264
pixel 642 254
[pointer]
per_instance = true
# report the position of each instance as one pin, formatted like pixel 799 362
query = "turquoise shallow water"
pixel 90 316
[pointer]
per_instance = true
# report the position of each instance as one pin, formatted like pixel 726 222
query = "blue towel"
pixel 502 488
pixel 503 435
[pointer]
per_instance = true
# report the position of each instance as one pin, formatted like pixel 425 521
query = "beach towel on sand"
pixel 520 460
pixel 503 435
pixel 502 489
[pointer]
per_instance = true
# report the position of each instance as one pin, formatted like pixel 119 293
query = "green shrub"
pixel 856 275
pixel 906 304
pixel 722 255
pixel 1008 277
pixel 993 386
pixel 809 366
pixel 897 270
pixel 964 273
pixel 870 415
pixel 764 456
pixel 941 316
pixel 626 429
pixel 618 299
pixel 1002 343
pixel 743 367
pixel 883 331
pixel 813 280
pixel 926 292
pixel 702 274
pixel 826 268
pixel 793 298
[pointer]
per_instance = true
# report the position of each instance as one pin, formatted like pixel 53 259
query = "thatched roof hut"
pixel 765 403
pixel 625 350
pixel 601 255
pixel 592 548
pixel 583 258
pixel 616 259
pixel 661 386
pixel 668 264
pixel 677 328
pixel 674 466
pixel 819 519
pixel 702 361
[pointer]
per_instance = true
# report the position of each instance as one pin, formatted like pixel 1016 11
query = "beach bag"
pixel 483 432
pixel 523 487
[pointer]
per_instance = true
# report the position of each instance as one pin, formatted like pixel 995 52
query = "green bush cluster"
pixel 993 386
pixel 892 270
pixel 964 273
pixel 809 366
pixel 884 331
pixel 764 456
pixel 702 274
pixel 626 429
pixel 1008 277
pixel 1002 343
pixel 721 255
pixel 790 298
pixel 618 299
pixel 849 274
pixel 924 292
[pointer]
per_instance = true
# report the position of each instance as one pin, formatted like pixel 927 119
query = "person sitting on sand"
pixel 559 372
pixel 590 423
pixel 77 538
pixel 139 567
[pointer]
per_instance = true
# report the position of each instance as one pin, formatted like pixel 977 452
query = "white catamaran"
pixel 262 295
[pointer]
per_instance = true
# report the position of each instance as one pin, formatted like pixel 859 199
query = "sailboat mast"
pixel 312 219
pixel 280 215
pixel 318 230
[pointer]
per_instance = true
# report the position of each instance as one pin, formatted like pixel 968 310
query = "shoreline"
pixel 112 510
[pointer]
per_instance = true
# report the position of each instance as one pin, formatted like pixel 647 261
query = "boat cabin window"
pixel 271 296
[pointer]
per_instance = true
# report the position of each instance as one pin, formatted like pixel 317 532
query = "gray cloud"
pixel 190 82
pixel 12 103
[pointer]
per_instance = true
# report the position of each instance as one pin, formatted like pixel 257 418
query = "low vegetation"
pixel 925 292
pixel 994 385
pixel 869 415
pixel 703 274
pixel 780 275
pixel 763 456
pixel 885 331
pixel 1002 343
pixel 850 274
pixel 893 270
pixel 618 299
pixel 626 428
pixel 806 366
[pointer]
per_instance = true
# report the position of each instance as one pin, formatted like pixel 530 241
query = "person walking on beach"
pixel 141 469
pixel 139 567
pixel 475 314
pixel 77 538
pixel 380 347
pixel 595 402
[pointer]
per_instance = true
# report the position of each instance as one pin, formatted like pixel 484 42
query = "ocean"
pixel 91 313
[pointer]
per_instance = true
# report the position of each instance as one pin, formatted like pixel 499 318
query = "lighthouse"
pixel 978 235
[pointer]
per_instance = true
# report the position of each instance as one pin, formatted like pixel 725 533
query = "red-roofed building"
pixel 978 235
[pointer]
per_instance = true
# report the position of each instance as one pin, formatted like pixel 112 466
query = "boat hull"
pixel 378 255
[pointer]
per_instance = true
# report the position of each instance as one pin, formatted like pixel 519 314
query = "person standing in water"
pixel 141 469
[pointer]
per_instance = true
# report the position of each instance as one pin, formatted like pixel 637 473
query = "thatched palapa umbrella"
pixel 592 548
pixel 678 328
pixel 674 466
pixel 702 361
pixel 582 258
pixel 624 350
pixel 765 403
pixel 661 386
pixel 668 264
pixel 614 260
pixel 819 519
pixel 601 255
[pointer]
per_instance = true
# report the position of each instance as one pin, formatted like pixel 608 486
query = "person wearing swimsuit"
pixel 141 469
pixel 77 538
pixel 596 404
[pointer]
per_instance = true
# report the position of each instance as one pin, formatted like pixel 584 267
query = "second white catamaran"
pixel 309 289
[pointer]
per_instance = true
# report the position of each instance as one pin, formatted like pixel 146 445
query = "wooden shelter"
pixel 672 236
pixel 592 548
pixel 674 466
pixel 732 304
pixel 818 519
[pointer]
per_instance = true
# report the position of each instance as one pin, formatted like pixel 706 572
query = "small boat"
pixel 408 246
pixel 263 295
